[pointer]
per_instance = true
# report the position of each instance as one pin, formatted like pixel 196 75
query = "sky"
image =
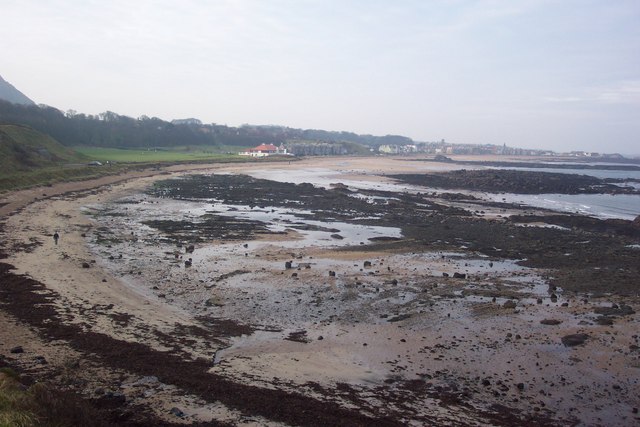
pixel 561 75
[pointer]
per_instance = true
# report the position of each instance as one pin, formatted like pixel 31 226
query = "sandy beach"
pixel 390 338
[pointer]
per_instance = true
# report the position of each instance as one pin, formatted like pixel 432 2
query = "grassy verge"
pixel 52 175
pixel 40 405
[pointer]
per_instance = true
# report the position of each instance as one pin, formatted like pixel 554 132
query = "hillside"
pixel 23 149
pixel 9 93
pixel 113 130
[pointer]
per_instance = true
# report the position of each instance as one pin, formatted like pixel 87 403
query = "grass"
pixel 173 154
pixel 41 406
pixel 14 401
pixel 51 175
pixel 72 164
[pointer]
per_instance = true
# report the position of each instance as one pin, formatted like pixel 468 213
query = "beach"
pixel 275 325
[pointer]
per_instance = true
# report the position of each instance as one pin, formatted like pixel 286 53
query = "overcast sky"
pixel 562 75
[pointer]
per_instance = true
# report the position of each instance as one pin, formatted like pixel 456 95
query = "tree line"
pixel 113 130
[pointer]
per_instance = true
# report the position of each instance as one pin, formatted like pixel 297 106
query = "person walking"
pixel 56 236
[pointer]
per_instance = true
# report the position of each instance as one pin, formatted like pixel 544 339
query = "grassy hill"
pixel 23 149
pixel 29 157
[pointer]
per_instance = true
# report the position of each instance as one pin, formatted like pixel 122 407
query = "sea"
pixel 603 206
pixel 622 206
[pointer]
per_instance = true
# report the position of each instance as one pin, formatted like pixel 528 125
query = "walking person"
pixel 56 236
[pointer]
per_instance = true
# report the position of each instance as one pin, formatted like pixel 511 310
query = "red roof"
pixel 265 147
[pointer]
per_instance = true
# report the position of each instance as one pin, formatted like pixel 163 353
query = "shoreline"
pixel 141 317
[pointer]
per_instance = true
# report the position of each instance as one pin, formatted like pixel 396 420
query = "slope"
pixel 9 93
pixel 23 149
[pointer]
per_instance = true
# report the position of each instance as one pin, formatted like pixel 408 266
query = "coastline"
pixel 137 315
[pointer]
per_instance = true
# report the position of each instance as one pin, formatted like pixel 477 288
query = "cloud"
pixel 624 92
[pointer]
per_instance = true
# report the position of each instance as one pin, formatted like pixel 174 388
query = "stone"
pixel 17 350
pixel 574 339
pixel 177 412
pixel 459 276
pixel 509 304
pixel 550 321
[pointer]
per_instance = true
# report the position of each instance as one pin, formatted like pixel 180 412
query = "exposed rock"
pixel 86 265
pixel 604 321
pixel 574 339
pixel 551 321
pixel 177 412
pixel 17 350
pixel 459 276
pixel 509 304
pixel 614 310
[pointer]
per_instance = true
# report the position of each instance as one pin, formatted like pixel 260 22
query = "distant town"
pixel 444 148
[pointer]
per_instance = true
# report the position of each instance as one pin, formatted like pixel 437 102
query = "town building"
pixel 265 150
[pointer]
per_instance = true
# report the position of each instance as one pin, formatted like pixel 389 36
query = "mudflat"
pixel 227 295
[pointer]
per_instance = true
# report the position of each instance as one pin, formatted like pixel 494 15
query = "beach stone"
pixel 337 236
pixel 367 264
pixel 574 339
pixel 459 276
pixel 287 265
pixel 86 265
pixel 189 249
pixel 551 321
pixel 177 412
pixel 509 304
pixel 17 350
pixel 614 310
pixel 332 273
pixel 604 321
pixel 116 398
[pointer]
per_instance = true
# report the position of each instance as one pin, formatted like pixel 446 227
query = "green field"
pixel 153 155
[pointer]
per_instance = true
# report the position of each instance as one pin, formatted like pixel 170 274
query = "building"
pixel 265 150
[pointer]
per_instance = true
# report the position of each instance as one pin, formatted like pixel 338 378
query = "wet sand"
pixel 394 340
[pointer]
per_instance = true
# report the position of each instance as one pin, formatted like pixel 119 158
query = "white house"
pixel 264 150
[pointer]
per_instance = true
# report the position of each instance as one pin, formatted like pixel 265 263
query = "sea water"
pixel 622 206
